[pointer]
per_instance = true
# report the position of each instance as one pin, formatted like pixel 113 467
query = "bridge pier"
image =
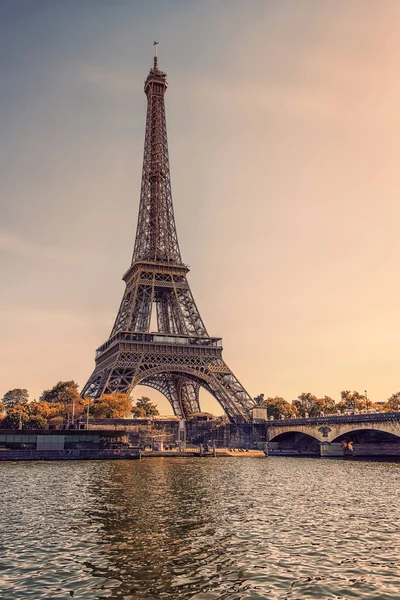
pixel 331 450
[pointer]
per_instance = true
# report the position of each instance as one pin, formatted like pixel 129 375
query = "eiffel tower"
pixel 180 356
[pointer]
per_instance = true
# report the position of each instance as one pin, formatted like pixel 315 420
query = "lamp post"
pixel 87 413
pixel 73 412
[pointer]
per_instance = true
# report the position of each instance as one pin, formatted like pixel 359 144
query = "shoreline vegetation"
pixel 62 406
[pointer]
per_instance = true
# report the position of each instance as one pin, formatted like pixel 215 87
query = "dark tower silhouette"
pixel 180 356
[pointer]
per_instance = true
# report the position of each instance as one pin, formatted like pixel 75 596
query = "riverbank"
pixel 53 455
pixel 121 454
pixel 219 452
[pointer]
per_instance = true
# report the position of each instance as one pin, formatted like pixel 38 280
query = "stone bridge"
pixel 369 434
pixel 328 429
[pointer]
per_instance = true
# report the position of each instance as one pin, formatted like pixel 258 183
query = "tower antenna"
pixel 155 44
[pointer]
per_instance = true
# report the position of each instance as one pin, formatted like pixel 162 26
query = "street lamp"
pixel 73 411
pixel 87 413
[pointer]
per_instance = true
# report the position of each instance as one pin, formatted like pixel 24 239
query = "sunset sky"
pixel 284 136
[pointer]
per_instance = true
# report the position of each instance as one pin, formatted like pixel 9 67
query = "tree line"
pixel 308 405
pixel 63 404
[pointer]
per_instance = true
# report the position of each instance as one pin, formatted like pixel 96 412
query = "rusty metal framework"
pixel 180 356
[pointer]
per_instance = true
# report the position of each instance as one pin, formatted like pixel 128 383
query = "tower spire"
pixel 156 237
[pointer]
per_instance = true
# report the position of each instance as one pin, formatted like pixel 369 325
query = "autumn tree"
pixel 306 405
pixel 46 410
pixel 137 412
pixel 65 392
pixel 112 406
pixel 278 408
pixel 326 405
pixel 64 397
pixel 393 403
pixel 36 422
pixel 16 417
pixel 353 401
pixel 14 398
pixel 150 409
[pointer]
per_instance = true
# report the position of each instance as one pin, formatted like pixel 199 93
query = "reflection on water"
pixel 200 529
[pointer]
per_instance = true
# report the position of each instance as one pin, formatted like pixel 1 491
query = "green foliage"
pixel 13 398
pixel 112 406
pixel 149 409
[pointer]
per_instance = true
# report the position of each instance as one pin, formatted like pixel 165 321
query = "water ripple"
pixel 190 529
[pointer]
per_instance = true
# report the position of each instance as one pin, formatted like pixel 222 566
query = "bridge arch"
pixel 363 435
pixel 294 443
pixel 300 435
pixel 381 429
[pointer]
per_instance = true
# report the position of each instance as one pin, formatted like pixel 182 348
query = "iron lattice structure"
pixel 181 356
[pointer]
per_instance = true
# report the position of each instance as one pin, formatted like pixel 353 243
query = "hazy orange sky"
pixel 284 136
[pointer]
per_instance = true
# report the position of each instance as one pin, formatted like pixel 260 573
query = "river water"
pixel 200 529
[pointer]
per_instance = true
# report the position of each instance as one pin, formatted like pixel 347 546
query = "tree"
pixel 150 409
pixel 13 398
pixel 393 403
pixel 43 409
pixel 278 407
pixel 326 405
pixel 112 406
pixel 353 401
pixel 2 408
pixel 306 404
pixel 64 397
pixel 36 422
pixel 137 412
pixel 65 392
pixel 16 417
pixel 309 404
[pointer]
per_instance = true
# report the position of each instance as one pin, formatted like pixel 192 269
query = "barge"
pixel 66 444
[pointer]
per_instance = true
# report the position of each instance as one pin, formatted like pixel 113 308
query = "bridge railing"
pixel 356 418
